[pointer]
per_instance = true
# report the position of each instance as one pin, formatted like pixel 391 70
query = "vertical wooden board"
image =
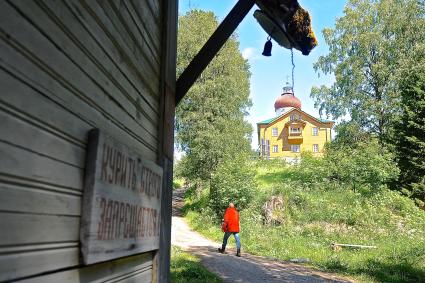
pixel 29 165
pixel 165 236
pixel 24 133
pixel 168 87
pixel 121 201
pixel 65 72
pixel 15 198
pixel 21 264
pixel 97 273
pixel 37 228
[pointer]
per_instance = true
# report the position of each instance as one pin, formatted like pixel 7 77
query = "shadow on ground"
pixel 250 268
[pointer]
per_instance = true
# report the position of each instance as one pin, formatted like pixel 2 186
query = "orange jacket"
pixel 231 220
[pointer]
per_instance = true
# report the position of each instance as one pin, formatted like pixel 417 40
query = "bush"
pixel 366 167
pixel 232 182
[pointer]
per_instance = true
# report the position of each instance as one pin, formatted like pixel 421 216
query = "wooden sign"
pixel 121 201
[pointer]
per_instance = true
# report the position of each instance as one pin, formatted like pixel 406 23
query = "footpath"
pixel 228 267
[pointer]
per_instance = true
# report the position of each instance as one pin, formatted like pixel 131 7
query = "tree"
pixel 366 167
pixel 411 133
pixel 369 47
pixel 233 181
pixel 210 125
pixel 350 134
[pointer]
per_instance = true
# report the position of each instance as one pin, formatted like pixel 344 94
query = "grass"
pixel 187 268
pixel 314 217
pixel 178 183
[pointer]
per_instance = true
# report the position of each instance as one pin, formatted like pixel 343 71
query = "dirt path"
pixel 230 268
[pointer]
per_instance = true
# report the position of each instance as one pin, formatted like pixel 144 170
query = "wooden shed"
pixel 87 96
pixel 66 68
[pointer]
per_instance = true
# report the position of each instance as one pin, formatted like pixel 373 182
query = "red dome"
pixel 287 100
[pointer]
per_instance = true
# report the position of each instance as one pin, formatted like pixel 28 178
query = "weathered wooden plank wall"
pixel 67 67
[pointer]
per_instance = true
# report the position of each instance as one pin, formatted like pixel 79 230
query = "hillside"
pixel 316 214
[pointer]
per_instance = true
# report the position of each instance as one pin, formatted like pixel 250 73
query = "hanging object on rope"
pixel 287 23
pixel 268 47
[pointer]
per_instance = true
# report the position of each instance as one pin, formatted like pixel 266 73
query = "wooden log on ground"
pixel 338 247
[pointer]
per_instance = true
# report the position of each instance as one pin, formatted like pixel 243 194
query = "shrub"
pixel 232 182
pixel 366 167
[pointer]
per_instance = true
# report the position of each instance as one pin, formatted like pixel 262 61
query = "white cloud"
pixel 249 53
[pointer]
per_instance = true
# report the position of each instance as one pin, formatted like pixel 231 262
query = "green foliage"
pixel 319 213
pixel 187 268
pixel 178 183
pixel 410 132
pixel 210 125
pixel 370 47
pixel 349 134
pixel 365 166
pixel 234 182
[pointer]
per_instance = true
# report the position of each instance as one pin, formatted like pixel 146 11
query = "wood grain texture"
pixel 18 129
pixel 92 54
pixel 165 156
pixel 67 67
pixel 18 161
pixel 121 207
pixel 27 199
pixel 25 228
pixel 130 55
pixel 122 270
pixel 34 260
pixel 67 73
pixel 99 33
pixel 28 77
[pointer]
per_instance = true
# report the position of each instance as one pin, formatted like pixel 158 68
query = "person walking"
pixel 230 226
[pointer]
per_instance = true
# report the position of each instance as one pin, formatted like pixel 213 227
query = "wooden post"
pixel 161 266
pixel 211 47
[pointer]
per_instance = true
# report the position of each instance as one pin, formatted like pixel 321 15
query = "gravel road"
pixel 248 268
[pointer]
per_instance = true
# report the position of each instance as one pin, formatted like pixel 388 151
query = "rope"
pixel 293 68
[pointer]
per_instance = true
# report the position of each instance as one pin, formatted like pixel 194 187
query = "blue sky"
pixel 269 74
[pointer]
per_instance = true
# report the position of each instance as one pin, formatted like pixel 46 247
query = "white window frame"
pixel 293 146
pixel 275 149
pixel 292 117
pixel 297 130
pixel 315 148
pixel 275 132
pixel 315 131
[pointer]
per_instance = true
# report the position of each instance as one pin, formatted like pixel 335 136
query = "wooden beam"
pixel 161 260
pixel 211 47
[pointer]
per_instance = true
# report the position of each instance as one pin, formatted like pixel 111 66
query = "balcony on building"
pixel 295 130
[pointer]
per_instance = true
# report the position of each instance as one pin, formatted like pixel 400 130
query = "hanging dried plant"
pixel 287 23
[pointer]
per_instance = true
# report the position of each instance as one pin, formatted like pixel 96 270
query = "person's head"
pixel 231 204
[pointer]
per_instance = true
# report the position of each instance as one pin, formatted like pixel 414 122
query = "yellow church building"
pixel 292 130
